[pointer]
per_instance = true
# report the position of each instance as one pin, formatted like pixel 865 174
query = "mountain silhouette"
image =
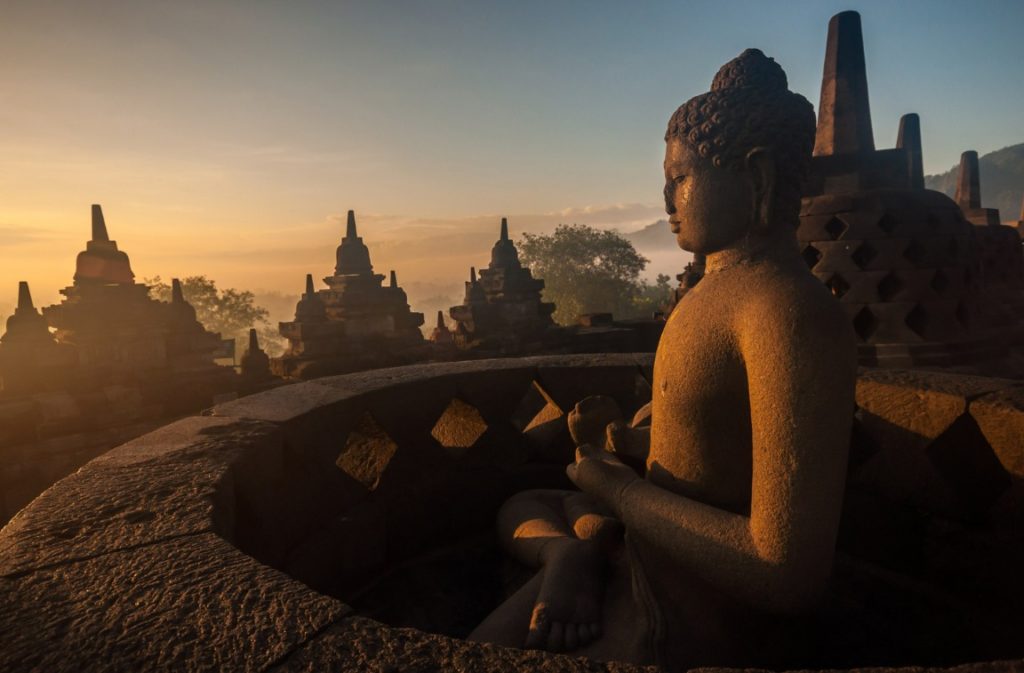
pixel 1002 181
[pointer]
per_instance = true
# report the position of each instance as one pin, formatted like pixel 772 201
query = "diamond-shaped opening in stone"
pixel 863 255
pixel 459 426
pixel 526 412
pixel 917 320
pixel 838 285
pixel 887 223
pixel 865 323
pixel 367 452
pixel 914 252
pixel 963 315
pixel 835 228
pixel 939 281
pixel 811 255
pixel 889 286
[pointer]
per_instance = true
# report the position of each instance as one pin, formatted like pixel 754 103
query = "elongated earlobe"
pixel 761 164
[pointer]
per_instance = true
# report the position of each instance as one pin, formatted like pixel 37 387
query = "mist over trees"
pixel 588 270
pixel 229 311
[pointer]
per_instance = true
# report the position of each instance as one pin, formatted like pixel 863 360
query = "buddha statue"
pixel 720 501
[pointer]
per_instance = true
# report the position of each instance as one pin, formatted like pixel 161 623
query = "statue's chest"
pixel 698 348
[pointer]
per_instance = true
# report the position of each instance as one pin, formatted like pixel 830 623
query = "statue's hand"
pixel 590 417
pixel 601 474
pixel 625 441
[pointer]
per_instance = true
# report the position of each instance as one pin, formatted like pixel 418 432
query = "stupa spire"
pixel 472 274
pixel 968 186
pixel 24 297
pixel 177 296
pixel 504 229
pixel 440 320
pixel 909 139
pixel 350 225
pixel 844 113
pixel 99 225
pixel 394 279
pixel 309 284
pixel 254 342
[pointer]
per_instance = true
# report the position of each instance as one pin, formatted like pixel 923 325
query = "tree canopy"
pixel 588 270
pixel 229 311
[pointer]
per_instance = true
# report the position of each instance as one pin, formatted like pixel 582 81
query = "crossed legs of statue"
pixel 572 540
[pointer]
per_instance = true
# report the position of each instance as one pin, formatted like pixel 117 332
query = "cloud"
pixel 14 235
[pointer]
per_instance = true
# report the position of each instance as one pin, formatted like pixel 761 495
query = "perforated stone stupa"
pixel 356 323
pixel 901 259
pixel 1001 258
pixel 121 335
pixel 502 312
pixel 31 360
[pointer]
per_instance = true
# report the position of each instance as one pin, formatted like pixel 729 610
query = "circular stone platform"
pixel 234 540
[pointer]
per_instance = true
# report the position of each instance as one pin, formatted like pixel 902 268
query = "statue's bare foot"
pixel 567 614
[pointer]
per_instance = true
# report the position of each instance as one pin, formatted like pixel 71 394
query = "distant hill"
pixel 1002 181
pixel 656 236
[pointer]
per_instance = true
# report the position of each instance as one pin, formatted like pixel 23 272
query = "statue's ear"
pixel 761 164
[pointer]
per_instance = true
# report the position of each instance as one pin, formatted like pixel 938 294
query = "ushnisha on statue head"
pixel 736 156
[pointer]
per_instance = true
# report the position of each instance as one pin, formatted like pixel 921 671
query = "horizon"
pixel 228 141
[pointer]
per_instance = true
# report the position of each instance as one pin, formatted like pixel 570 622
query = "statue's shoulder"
pixel 795 306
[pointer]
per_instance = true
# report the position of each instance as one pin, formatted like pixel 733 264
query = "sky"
pixel 229 137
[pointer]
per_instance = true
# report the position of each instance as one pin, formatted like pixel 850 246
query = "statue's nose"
pixel 670 207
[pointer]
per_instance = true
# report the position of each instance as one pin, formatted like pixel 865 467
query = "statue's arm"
pixel 801 376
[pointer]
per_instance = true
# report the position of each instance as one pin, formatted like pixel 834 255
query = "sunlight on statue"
pixel 723 497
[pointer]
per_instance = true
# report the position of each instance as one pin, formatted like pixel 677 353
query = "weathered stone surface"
pixel 912 408
pixel 189 604
pixel 351 546
pixel 1000 415
pixel 459 427
pixel 168 483
pixel 358 644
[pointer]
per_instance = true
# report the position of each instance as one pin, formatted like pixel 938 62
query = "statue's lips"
pixel 673 226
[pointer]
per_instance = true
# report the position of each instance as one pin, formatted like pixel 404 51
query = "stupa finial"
pixel 968 185
pixel 99 225
pixel 844 113
pixel 309 284
pixel 394 279
pixel 472 274
pixel 254 342
pixel 504 229
pixel 909 139
pixel 440 319
pixel 350 225
pixel 177 296
pixel 24 297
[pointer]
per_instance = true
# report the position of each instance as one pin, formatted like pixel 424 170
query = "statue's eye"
pixel 679 179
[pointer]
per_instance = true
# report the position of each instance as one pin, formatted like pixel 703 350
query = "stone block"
pixel 346 550
pixel 188 604
pixel 169 483
pixel 357 645
pixel 1000 416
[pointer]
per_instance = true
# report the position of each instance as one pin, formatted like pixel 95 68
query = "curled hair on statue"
pixel 749 106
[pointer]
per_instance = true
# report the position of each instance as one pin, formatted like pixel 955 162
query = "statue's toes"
pixel 540 627
pixel 556 637
pixel 572 637
pixel 583 634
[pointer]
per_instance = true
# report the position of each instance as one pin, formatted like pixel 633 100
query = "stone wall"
pixel 223 541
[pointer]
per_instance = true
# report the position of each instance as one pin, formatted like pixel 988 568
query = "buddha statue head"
pixel 736 156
